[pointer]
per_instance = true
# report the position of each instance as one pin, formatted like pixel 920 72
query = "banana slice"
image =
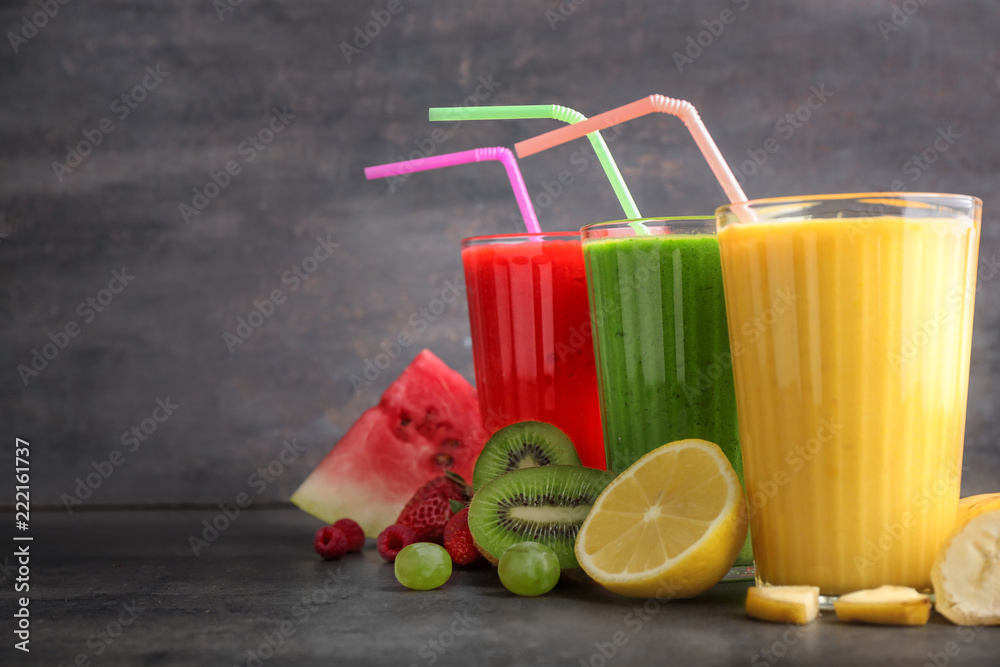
pixel 973 506
pixel 885 605
pixel 783 604
pixel 966 572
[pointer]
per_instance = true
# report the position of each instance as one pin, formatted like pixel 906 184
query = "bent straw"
pixel 647 105
pixel 555 112
pixel 499 153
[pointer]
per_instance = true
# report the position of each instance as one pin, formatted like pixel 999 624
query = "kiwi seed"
pixel 544 504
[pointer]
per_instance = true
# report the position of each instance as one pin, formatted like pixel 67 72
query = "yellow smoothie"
pixel 851 342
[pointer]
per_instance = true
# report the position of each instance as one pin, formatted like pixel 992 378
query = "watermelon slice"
pixel 426 423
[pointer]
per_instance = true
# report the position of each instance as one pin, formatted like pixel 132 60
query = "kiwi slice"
pixel 523 445
pixel 542 504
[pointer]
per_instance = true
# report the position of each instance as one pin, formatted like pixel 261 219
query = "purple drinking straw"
pixel 499 153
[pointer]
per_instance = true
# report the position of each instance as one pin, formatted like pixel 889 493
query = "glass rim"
pixel 519 236
pixel 629 221
pixel 699 224
pixel 902 196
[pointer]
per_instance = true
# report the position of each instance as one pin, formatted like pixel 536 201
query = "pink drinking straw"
pixel 499 153
pixel 647 105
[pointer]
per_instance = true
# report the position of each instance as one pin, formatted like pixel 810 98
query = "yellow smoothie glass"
pixel 850 322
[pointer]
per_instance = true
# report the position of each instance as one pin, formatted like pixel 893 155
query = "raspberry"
pixel 458 541
pixel 330 543
pixel 354 534
pixel 393 539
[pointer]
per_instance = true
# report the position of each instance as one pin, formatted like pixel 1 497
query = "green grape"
pixel 423 566
pixel 529 568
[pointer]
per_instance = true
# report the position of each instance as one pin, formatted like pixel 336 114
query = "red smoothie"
pixel 531 335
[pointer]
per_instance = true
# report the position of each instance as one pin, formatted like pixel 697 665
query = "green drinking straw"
pixel 555 112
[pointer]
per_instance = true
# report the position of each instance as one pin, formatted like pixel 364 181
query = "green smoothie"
pixel 664 365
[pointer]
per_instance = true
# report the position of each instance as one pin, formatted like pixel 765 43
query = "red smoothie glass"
pixel 531 335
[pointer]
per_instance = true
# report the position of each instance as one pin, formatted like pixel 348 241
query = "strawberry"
pixel 458 541
pixel 430 508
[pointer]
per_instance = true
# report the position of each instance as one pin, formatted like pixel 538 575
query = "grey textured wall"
pixel 894 76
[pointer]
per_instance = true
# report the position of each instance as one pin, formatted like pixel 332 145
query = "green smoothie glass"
pixel 661 340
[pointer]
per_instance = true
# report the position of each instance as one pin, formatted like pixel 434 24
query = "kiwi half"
pixel 542 504
pixel 523 445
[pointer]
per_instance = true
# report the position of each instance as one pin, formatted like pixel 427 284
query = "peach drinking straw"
pixel 555 112
pixel 498 153
pixel 647 105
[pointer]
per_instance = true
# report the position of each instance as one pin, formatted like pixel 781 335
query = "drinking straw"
pixel 555 112
pixel 647 105
pixel 499 153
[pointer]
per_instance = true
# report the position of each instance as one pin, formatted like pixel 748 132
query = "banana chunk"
pixel 885 605
pixel 966 572
pixel 783 604
pixel 972 506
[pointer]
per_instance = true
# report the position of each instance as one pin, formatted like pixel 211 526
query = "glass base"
pixel 743 568
pixel 740 573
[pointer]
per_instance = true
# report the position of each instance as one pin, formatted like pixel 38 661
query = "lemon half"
pixel 670 526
